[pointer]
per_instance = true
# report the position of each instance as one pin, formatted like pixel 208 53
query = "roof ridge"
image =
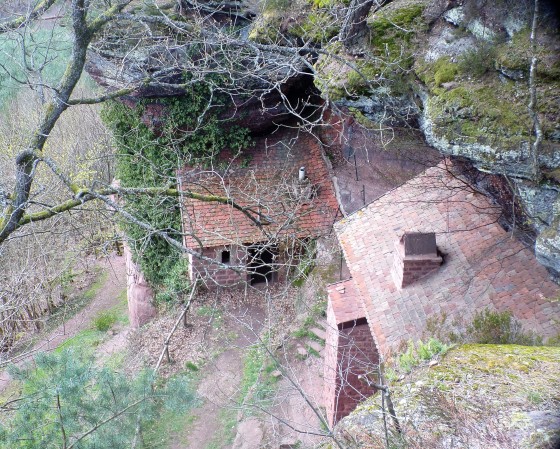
pixel 340 282
pixel 389 191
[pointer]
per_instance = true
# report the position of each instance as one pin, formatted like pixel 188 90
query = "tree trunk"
pixel 354 27
pixel 533 112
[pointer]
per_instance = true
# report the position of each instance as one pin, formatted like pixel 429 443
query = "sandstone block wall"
pixel 139 294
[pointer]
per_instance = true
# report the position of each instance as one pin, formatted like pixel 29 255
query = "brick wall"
pixel 213 275
pixel 350 353
pixel 330 365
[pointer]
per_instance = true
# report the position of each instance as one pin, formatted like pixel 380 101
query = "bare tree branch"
pixel 20 22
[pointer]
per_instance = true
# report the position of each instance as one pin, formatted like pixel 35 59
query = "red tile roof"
pixel 484 266
pixel 346 302
pixel 265 180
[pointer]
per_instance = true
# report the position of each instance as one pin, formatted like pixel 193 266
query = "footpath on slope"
pixel 220 384
pixel 219 347
pixel 105 298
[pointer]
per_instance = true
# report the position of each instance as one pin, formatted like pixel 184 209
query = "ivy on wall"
pixel 185 130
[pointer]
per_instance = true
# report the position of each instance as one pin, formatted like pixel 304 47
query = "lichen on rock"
pixel 476 396
pixel 461 72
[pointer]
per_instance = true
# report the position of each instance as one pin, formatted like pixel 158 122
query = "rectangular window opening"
pixel 226 256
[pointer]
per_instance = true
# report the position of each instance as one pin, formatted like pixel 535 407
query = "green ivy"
pixel 188 131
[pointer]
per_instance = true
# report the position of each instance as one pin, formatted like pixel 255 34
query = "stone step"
pixel 322 324
pixel 316 346
pixel 301 351
pixel 318 332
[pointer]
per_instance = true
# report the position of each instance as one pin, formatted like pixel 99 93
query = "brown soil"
pixel 223 376
pixel 222 325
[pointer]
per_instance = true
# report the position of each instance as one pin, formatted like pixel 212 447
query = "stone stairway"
pixel 315 343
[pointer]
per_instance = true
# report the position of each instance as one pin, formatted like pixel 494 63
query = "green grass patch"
pixel 309 322
pixel 190 366
pixel 120 310
pixel 104 320
pixel 214 314
pixel 301 333
pixel 168 429
pixel 226 435
pixel 257 385
pixel 77 301
pixel 85 341
pixel 312 351
pixel 94 288
pixel 205 311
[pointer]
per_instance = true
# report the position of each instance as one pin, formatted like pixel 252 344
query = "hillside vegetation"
pixel 476 396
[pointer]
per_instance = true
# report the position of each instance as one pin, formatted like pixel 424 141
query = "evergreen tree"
pixel 69 402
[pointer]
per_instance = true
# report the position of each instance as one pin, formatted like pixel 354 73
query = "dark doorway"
pixel 261 265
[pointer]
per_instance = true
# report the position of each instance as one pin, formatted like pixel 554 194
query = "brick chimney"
pixel 416 255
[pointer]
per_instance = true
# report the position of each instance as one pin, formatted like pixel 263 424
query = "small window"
pixel 226 256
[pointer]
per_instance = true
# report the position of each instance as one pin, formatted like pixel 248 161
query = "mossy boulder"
pixel 297 22
pixel 475 101
pixel 378 80
pixel 476 105
pixel 487 396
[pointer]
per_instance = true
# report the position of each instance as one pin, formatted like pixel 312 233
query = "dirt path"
pixel 221 381
pixel 105 298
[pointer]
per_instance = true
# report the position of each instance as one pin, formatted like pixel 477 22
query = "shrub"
pixel 432 348
pixel 553 341
pixel 420 352
pixel 148 156
pixel 407 360
pixel 175 284
pixel 479 60
pixel 104 321
pixel 489 327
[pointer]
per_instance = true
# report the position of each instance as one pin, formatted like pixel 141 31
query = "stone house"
pixel 284 189
pixel 428 249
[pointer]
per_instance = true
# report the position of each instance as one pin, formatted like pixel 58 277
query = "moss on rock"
pixel 505 386
pixel 266 29
pixel 387 59
pixel 395 26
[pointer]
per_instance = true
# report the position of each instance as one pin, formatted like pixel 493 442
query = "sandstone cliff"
pixel 459 70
